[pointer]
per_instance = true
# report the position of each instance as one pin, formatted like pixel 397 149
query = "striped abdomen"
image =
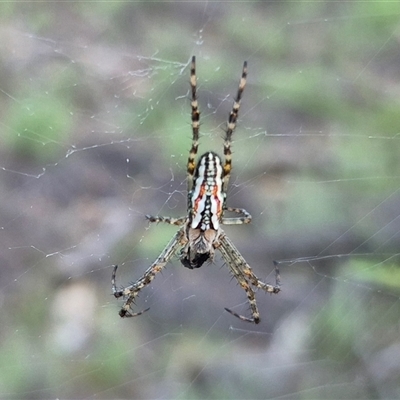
pixel 206 198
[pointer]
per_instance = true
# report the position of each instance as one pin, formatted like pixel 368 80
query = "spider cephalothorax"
pixel 200 232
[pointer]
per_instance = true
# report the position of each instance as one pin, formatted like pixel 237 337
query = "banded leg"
pixel 191 164
pixel 245 219
pixel 130 292
pixel 245 285
pixel 236 258
pixel 231 125
pixel 168 220
pixel 119 293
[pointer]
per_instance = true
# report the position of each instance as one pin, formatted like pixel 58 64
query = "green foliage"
pixel 37 129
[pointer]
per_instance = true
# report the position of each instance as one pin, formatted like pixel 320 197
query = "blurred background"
pixel 95 132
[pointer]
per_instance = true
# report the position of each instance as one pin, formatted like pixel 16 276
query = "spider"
pixel 200 232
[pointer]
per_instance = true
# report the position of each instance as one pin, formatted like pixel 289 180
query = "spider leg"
pixel 243 274
pixel 227 245
pixel 119 293
pixel 231 125
pixel 244 284
pixel 130 292
pixel 191 164
pixel 242 317
pixel 168 220
pixel 245 219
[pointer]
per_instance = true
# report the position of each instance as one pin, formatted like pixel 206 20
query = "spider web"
pixel 95 134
